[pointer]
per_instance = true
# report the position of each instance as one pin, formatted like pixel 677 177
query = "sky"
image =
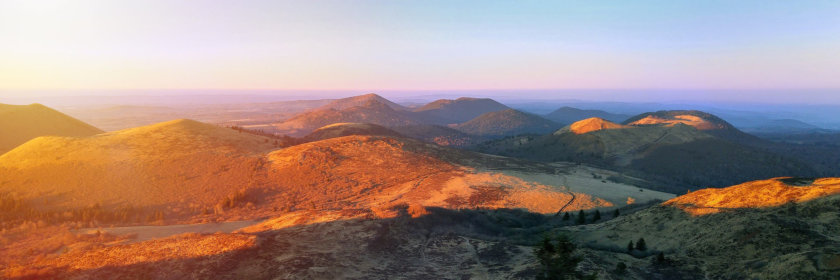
pixel 369 46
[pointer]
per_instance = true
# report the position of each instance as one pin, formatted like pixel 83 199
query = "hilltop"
pixel 21 123
pixel 590 125
pixel 506 123
pixel 361 100
pixel 703 121
pixel 567 115
pixel 462 109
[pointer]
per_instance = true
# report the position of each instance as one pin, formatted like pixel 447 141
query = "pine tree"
pixel 630 246
pixel 615 213
pixel 660 258
pixel 557 261
pixel 640 245
pixel 620 268
pixel 597 215
pixel 581 219
pixel 566 216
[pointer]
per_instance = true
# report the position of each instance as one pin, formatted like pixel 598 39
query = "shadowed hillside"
pixel 460 110
pixel 441 135
pixel 506 123
pixel 674 152
pixel 347 129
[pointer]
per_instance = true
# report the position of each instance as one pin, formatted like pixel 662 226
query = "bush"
pixel 640 245
pixel 581 219
pixel 557 261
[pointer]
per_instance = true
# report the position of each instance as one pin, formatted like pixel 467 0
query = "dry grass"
pixel 20 123
pixel 756 194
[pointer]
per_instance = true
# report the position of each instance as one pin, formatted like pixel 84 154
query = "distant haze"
pixel 391 46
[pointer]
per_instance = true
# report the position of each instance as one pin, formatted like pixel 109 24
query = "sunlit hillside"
pixel 20 123
pixel 177 164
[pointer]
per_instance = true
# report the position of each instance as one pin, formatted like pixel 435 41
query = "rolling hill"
pixel 672 152
pixel 567 115
pixel 370 111
pixel 702 121
pixel 21 123
pixel 460 110
pixel 175 163
pixel 190 171
pixel 507 123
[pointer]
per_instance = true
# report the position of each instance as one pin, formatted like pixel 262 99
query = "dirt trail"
pixel 570 200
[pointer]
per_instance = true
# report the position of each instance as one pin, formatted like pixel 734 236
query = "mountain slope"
pixel 567 115
pixel 20 123
pixel 462 109
pixel 506 123
pixel 346 129
pixel 768 229
pixel 441 135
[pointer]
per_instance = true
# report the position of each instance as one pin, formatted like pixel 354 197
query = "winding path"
pixel 570 200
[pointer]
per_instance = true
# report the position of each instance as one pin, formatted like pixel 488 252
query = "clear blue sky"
pixel 419 45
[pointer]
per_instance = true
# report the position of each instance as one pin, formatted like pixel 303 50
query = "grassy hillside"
pixel 777 231
pixel 21 123
pixel 678 156
pixel 506 123
pixel 460 110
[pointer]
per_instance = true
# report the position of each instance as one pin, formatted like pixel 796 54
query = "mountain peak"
pixel 697 119
pixel 354 101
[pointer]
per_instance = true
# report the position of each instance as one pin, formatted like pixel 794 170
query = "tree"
pixel 640 245
pixel 630 246
pixel 620 268
pixel 557 260
pixel 581 219
pixel 566 216
pixel 615 213
pixel 597 215
pixel 660 258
